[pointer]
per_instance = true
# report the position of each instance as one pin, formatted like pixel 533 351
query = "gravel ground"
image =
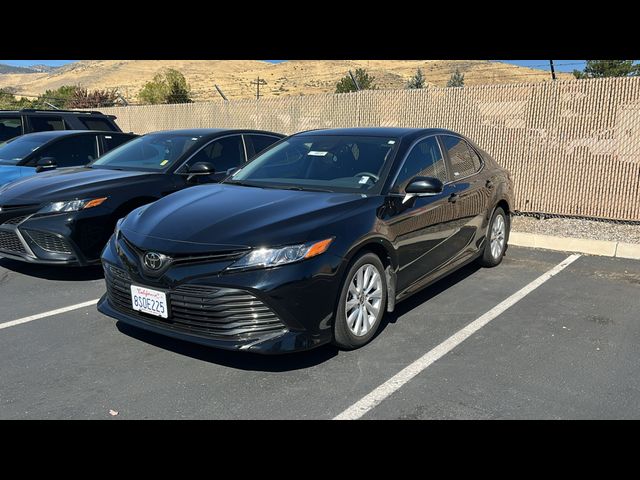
pixel 577 228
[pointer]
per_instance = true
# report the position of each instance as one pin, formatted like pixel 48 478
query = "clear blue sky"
pixel 561 65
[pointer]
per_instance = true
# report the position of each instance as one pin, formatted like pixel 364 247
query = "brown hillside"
pixel 295 77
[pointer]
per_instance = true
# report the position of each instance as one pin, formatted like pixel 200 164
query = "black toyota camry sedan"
pixel 65 217
pixel 311 242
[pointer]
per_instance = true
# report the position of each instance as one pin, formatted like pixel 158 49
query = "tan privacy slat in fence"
pixel 572 147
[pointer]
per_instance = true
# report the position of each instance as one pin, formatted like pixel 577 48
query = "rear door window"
pixel 462 162
pixel 102 124
pixel 109 142
pixel 258 143
pixel 71 151
pixel 10 127
pixel 41 123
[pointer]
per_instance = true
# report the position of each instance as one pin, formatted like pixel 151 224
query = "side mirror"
pixel 46 163
pixel 424 186
pixel 200 168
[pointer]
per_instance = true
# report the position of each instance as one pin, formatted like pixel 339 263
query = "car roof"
pixel 396 132
pixel 214 131
pixel 64 133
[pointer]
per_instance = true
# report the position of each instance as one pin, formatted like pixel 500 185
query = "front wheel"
pixel 362 304
pixel 496 241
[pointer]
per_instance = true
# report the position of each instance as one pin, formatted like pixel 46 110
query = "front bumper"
pixel 293 305
pixel 67 239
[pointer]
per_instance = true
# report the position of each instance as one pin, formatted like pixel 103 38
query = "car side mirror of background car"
pixel 46 163
pixel 422 187
pixel 199 169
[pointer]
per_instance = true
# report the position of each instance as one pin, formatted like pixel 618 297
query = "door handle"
pixel 453 197
pixel 489 184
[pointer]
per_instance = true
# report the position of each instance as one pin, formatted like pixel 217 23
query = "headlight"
pixel 71 205
pixel 271 257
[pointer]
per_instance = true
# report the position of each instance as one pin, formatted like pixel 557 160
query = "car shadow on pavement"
pixel 53 272
pixel 240 360
pixel 290 361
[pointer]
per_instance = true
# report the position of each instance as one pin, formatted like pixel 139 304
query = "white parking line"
pixel 50 313
pixel 374 398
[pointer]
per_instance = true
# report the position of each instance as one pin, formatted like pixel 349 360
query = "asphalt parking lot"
pixel 567 349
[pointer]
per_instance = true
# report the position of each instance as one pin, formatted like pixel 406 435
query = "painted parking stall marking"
pixel 370 401
pixel 50 313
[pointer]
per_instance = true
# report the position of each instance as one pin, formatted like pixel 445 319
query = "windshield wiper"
pixel 243 184
pixel 301 189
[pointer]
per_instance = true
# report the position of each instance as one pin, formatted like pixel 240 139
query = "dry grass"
pixel 295 77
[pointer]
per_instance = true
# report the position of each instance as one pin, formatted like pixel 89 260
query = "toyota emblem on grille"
pixel 153 260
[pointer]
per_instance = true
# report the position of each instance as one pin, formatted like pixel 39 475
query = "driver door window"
pixel 424 160
pixel 71 151
pixel 224 153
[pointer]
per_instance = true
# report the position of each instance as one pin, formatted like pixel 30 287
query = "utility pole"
pixel 221 94
pixel 353 79
pixel 553 72
pixel 257 83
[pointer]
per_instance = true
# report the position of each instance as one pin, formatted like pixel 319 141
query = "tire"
pixel 494 252
pixel 344 336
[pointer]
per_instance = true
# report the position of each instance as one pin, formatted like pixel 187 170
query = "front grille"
pixel 16 220
pixel 202 309
pixel 49 242
pixel 10 242
pixel 220 256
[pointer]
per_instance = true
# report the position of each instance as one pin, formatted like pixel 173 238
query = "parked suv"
pixel 14 123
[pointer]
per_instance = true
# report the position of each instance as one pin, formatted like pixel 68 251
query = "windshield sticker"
pixel 364 179
pixel 317 154
pixel 164 162
pixel 391 142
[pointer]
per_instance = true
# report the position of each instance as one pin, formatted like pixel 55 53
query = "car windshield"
pixel 18 148
pixel 151 152
pixel 335 163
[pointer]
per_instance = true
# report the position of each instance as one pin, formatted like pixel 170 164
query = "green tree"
pixel 60 97
pixel 456 79
pixel 168 86
pixel 8 101
pixel 417 81
pixel 608 68
pixel 362 77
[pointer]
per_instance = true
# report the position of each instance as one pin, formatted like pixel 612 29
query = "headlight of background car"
pixel 271 257
pixel 71 205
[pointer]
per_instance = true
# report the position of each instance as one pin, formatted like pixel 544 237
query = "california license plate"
pixel 149 301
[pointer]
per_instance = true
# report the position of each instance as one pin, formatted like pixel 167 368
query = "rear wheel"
pixel 362 304
pixel 496 241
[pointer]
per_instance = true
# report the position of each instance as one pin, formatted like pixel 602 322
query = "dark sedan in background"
pixel 311 242
pixel 29 154
pixel 65 217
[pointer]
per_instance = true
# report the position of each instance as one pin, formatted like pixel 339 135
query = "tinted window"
pixel 462 163
pixel 112 141
pixel 10 127
pixel 327 162
pixel 224 154
pixel 18 148
pixel 71 151
pixel 261 142
pixel 98 124
pixel 424 160
pixel 44 124
pixel 152 152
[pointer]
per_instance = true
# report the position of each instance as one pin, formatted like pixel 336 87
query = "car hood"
pixel 9 173
pixel 219 217
pixel 66 184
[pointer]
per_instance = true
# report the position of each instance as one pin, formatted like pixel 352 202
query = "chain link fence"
pixel 573 147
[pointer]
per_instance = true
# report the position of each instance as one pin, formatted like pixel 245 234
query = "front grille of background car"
pixel 49 242
pixel 16 220
pixel 9 242
pixel 200 309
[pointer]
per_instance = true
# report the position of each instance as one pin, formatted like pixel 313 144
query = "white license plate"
pixel 149 301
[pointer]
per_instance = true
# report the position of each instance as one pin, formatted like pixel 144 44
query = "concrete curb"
pixel 578 245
